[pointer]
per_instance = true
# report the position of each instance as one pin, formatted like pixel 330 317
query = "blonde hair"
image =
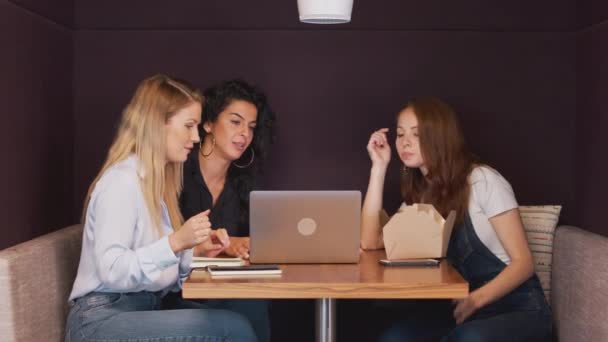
pixel 142 131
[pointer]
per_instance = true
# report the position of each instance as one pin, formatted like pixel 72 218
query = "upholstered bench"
pixel 579 296
pixel 35 281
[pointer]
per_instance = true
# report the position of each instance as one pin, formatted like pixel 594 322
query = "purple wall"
pixel 591 12
pixel 507 78
pixel 59 11
pixel 476 15
pixel 36 132
pixel 331 87
pixel 592 121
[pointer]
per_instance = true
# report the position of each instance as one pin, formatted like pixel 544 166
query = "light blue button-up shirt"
pixel 121 250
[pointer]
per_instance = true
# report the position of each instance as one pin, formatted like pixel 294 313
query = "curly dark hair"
pixel 217 98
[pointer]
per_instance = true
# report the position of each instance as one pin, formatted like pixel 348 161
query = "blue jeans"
pixel 255 310
pixel 140 316
pixel 433 321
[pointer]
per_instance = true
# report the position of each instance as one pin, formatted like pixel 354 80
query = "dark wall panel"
pixel 36 131
pixel 61 11
pixel 592 140
pixel 591 12
pixel 478 15
pixel 514 91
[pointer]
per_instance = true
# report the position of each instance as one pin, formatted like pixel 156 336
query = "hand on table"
pixel 239 247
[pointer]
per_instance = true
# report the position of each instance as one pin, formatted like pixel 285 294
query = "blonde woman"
pixel 136 247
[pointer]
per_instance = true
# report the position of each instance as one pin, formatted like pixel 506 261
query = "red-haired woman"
pixel 488 244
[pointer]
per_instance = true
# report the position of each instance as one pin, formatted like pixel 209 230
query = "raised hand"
pixel 216 244
pixel 193 232
pixel 379 149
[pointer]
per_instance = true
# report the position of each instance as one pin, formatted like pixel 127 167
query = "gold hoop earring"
pixel 205 155
pixel 248 164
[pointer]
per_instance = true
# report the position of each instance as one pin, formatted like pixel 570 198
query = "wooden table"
pixel 328 282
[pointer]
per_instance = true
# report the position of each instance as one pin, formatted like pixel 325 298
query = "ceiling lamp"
pixel 325 11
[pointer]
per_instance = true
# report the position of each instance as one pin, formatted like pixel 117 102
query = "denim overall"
pixel 521 315
pixel 478 265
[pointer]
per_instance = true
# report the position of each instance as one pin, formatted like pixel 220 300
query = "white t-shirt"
pixel 491 194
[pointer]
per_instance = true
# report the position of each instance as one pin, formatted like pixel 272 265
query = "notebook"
pixel 244 271
pixel 304 226
pixel 199 262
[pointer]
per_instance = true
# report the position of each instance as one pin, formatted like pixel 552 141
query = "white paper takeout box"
pixel 418 231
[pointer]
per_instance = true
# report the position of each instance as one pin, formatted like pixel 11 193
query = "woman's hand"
pixel 378 148
pixel 380 154
pixel 239 247
pixel 465 307
pixel 193 232
pixel 512 236
pixel 216 244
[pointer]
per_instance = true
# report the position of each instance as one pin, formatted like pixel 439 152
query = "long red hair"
pixel 446 157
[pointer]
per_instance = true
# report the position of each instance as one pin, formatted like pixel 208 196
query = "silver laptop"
pixel 304 226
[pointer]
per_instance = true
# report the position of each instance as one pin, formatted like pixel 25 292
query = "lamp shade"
pixel 325 11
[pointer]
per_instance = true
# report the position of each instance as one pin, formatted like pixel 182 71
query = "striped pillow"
pixel 539 223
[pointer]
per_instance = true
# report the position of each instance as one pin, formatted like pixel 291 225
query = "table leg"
pixel 325 312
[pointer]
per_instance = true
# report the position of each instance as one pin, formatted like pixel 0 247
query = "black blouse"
pixel 196 197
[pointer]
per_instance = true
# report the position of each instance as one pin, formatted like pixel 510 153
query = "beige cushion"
pixel 540 222
pixel 580 285
pixel 35 281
